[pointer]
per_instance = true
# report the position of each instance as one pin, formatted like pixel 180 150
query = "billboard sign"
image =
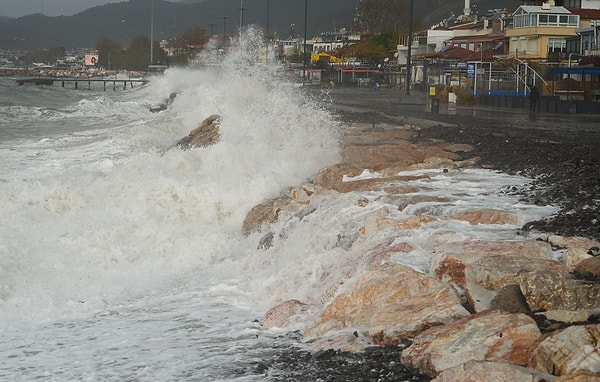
pixel 91 59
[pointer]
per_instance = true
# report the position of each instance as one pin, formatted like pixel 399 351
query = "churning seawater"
pixel 121 257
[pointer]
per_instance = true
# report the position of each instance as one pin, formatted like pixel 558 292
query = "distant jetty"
pixel 76 81
pixel 74 78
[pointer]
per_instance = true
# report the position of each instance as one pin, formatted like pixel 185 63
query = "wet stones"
pixel 488 336
pixel 576 348
pixel 205 135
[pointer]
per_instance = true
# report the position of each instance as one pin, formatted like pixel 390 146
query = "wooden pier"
pixel 76 81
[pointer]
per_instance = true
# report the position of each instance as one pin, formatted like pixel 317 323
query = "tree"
pixel 188 43
pixel 377 16
pixel 46 56
pixel 110 54
pixel 137 56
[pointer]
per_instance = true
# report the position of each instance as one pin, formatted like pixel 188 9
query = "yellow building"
pixel 541 32
pixel 326 57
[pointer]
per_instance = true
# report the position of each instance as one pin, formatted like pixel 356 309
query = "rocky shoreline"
pixel 521 306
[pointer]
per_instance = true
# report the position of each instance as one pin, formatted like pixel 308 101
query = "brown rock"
pixel 205 135
pixel 393 303
pixel 588 268
pixel 335 174
pixel 489 274
pixel 570 350
pixel 579 376
pixel 377 184
pixel 484 268
pixel 484 371
pixel 545 291
pixel 572 242
pixel 280 315
pixel 487 336
pixel 384 155
pixel 266 212
pixel 573 256
pixel 488 216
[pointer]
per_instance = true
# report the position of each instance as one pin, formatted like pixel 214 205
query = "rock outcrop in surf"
pixel 205 135
pixel 483 307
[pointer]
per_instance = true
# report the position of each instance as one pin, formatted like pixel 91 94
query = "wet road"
pixel 394 105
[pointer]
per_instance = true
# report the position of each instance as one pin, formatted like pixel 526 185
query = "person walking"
pixel 534 97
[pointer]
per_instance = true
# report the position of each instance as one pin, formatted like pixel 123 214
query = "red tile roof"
pixel 588 14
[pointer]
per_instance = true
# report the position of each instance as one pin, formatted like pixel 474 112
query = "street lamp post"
pixel 242 9
pixel 224 25
pixel 409 52
pixel 268 39
pixel 152 34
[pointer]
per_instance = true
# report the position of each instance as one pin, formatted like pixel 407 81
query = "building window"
pixel 556 45
pixel 572 3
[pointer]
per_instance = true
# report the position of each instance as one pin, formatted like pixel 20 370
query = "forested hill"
pixel 120 21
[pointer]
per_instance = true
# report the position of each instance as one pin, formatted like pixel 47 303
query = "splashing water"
pixel 121 256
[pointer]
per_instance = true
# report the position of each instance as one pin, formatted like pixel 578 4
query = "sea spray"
pixel 115 212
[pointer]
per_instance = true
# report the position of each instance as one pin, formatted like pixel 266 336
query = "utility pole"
pixel 409 52
pixel 152 34
pixel 242 9
pixel 268 38
pixel 305 36
pixel 224 25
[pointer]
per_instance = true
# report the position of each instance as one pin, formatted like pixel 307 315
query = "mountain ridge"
pixel 123 20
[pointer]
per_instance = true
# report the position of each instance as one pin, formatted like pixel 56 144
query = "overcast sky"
pixel 18 8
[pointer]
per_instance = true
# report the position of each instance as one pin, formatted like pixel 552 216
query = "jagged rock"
pixel 335 174
pixel 570 350
pixel 280 315
pixel 393 303
pixel 487 336
pixel 572 242
pixel 573 256
pixel 345 340
pixel 205 135
pixel 378 220
pixel 489 274
pixel 303 194
pixel 380 156
pixel 510 299
pixel 488 216
pixel 266 212
pixel 558 292
pixel 163 106
pixel 479 371
pixel 588 269
pixel 450 259
pixel 389 185
pixel 580 376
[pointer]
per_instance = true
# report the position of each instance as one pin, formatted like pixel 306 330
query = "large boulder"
pixel 393 303
pixel 263 214
pixel 576 348
pixel 451 259
pixel 559 296
pixel 281 315
pixel 479 371
pixel 490 274
pixel 487 336
pixel 205 135
pixel 379 156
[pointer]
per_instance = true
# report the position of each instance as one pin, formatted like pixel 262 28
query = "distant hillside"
pixel 121 21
